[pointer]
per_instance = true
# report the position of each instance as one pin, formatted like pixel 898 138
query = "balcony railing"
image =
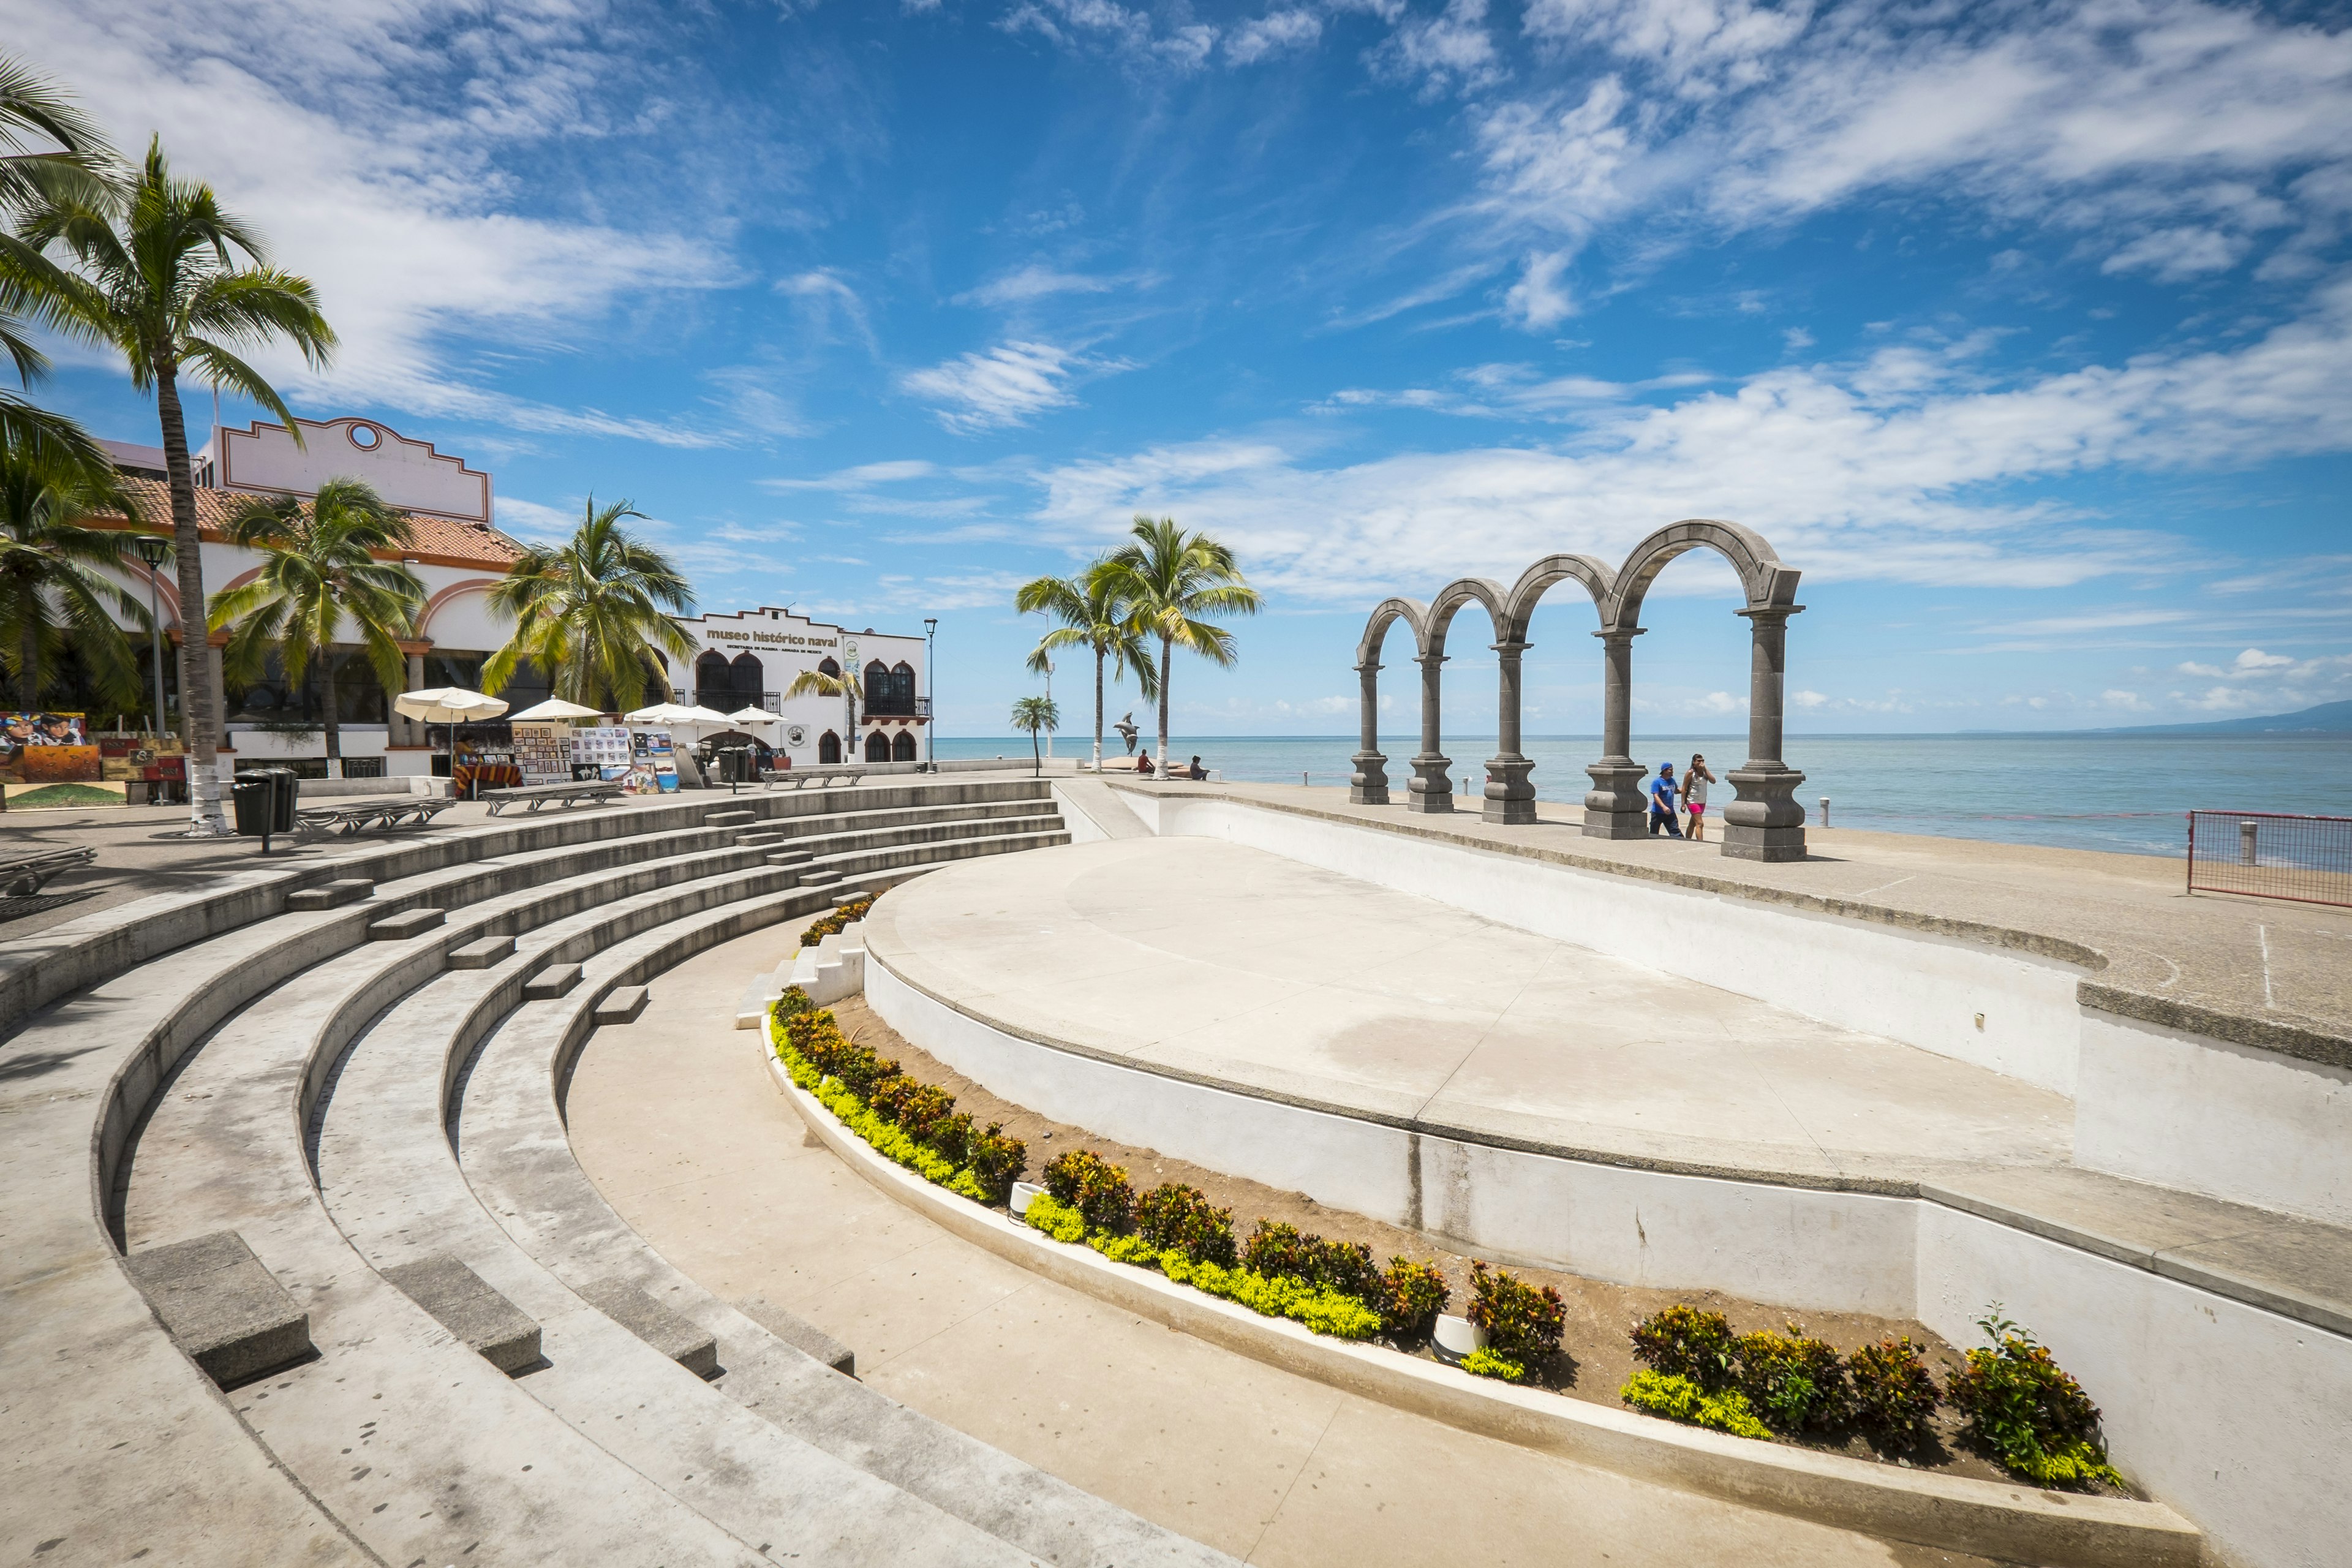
pixel 730 700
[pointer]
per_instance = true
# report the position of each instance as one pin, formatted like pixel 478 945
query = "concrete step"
pixel 621 1004
pixel 758 836
pixel 801 1334
pixel 227 1312
pixel 406 924
pixel 332 895
pixel 482 953
pixel 462 1303
pixel 555 980
pixel 677 1336
pixel 735 818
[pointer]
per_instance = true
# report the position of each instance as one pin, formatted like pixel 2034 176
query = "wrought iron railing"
pixel 727 699
pixel 2270 855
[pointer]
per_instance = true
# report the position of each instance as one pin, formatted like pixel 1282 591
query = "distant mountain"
pixel 2327 718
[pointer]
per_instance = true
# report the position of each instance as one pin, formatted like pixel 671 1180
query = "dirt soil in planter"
pixel 1596 1353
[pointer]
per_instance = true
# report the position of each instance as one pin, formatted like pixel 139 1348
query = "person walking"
pixel 1662 801
pixel 1694 782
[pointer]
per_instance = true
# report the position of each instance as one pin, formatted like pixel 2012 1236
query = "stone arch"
pixel 1763 579
pixel 455 590
pixel 1432 789
pixel 1586 572
pixel 1369 783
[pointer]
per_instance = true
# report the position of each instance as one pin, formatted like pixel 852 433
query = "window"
pixel 877 747
pixel 749 679
pixel 902 749
pixel 902 676
pixel 828 747
pixel 826 667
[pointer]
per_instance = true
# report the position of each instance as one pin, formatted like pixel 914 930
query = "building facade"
pixel 750 659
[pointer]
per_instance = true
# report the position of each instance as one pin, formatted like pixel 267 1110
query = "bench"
pixel 531 797
pixel 417 811
pixel 802 778
pixel 21 879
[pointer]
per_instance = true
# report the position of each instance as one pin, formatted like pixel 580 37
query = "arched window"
pixel 748 679
pixel 902 749
pixel 877 747
pixel 826 667
pixel 710 676
pixel 902 676
pixel 828 747
pixel 878 687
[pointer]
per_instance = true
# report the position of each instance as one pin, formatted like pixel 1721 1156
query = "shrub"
pixel 2025 1411
pixel 825 925
pixel 1098 1189
pixel 922 1108
pixel 1683 1341
pixel 1792 1381
pixel 1521 1321
pixel 1678 1398
pixel 790 1004
pixel 1281 1251
pixel 1895 1395
pixel 1486 1363
pixel 996 1161
pixel 1412 1296
pixel 1057 1220
pixel 1175 1216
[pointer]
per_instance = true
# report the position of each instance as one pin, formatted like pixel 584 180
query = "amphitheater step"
pixel 406 924
pixel 672 1334
pixel 621 1004
pixel 759 837
pixel 800 1333
pixel 226 1310
pixel 332 895
pixel 549 984
pixel 731 819
pixel 462 1301
pixel 789 858
pixel 483 953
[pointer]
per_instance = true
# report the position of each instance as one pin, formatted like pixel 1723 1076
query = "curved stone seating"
pixel 125 1444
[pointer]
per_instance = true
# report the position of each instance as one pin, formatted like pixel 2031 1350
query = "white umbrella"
pixel 450 705
pixel 754 716
pixel 556 708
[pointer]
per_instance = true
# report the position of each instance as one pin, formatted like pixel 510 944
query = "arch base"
pixel 1432 789
pixel 1510 795
pixel 1766 823
pixel 1370 785
pixel 1614 807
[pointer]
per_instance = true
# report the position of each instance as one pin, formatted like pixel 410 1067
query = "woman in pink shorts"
pixel 1695 785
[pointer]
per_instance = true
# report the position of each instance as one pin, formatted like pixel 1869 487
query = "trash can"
pixel 735 765
pixel 252 796
pixel 286 787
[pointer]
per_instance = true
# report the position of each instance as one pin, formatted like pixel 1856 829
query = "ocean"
pixel 2126 794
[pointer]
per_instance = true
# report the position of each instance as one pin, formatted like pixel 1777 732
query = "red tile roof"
pixel 439 541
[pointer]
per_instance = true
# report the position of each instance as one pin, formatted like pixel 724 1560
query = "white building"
pixel 751 657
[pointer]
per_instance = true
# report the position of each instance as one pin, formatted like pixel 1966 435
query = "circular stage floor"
pixel 1242 967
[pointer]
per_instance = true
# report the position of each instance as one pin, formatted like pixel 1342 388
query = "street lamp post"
pixel 152 550
pixel 931 687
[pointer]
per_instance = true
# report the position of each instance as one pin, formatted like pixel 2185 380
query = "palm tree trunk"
pixel 1036 765
pixel 198 715
pixel 29 655
pixel 1099 708
pixel 334 720
pixel 1167 647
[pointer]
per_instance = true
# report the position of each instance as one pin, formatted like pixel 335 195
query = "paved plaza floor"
pixel 1231 963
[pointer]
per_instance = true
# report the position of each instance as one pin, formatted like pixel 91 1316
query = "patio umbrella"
pixel 450 705
pixel 664 714
pixel 754 716
pixel 556 708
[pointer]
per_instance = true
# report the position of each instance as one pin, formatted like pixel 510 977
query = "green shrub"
pixel 922 1108
pixel 1486 1363
pixel 825 925
pixel 790 1004
pixel 914 1124
pixel 1324 1311
pixel 1098 1189
pixel 1281 1251
pixel 2024 1410
pixel 1683 1341
pixel 1895 1395
pixel 1522 1322
pixel 1677 1398
pixel 1057 1220
pixel 996 1161
pixel 1794 1382
pixel 1412 1296
pixel 1172 1214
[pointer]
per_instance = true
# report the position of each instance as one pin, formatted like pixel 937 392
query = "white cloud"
pixel 529 519
pixel 2175 255
pixel 1451 49
pixel 2255 658
pixel 1271 34
pixel 2128 701
pixel 1808 699
pixel 1035 282
pixel 865 476
pixel 1009 384
pixel 1080 24
pixel 1539 301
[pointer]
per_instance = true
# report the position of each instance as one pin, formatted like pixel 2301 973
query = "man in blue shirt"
pixel 1662 801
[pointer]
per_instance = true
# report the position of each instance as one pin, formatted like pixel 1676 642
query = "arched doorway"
pixel 902 749
pixel 828 748
pixel 877 747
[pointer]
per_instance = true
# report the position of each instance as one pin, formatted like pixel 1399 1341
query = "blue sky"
pixel 2025 330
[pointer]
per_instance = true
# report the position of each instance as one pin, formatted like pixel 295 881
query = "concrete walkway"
pixel 676 1120
pixel 1228 963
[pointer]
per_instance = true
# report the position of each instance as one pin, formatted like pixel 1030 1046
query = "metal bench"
pixel 821 777
pixel 22 877
pixel 384 816
pixel 531 797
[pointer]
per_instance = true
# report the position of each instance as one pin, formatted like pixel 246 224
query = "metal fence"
pixel 2267 854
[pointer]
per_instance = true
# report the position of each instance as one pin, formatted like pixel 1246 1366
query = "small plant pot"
pixel 1021 1192
pixel 1455 1338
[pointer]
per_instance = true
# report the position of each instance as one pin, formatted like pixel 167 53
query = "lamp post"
pixel 930 703
pixel 151 549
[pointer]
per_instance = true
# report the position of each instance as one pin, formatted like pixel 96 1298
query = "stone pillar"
pixel 403 730
pixel 1510 795
pixel 1432 788
pixel 1370 784
pixel 1614 807
pixel 1766 823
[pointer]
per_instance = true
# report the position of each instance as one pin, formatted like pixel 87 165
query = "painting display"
pixel 543 753
pixel 49 748
pixel 653 763
pixel 600 751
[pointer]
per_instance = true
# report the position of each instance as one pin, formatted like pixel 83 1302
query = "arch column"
pixel 1432 789
pixel 1766 823
pixel 1614 807
pixel 1510 795
pixel 1370 787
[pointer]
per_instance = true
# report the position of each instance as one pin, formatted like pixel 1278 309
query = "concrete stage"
pixel 1223 963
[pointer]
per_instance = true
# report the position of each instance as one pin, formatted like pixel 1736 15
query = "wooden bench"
pixel 531 797
pixel 22 877
pixel 384 816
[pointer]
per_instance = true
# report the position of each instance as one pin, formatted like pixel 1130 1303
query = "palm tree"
pixel 319 569
pixel 1035 716
pixel 1096 616
pixel 1173 581
pixel 50 590
pixel 76 165
pixel 594 613
pixel 817 683
pixel 157 276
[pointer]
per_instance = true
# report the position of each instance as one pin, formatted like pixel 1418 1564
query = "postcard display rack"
pixel 543 753
pixel 600 752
